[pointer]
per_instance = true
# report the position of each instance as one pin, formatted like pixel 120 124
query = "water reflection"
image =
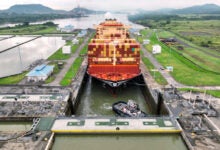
pixel 11 42
pixel 12 126
pixel 90 21
pixel 86 22
pixel 119 142
pixel 97 101
pixel 40 48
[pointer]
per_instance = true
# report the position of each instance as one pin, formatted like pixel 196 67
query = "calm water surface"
pixel 15 126
pixel 119 142
pixel 97 101
pixel 86 22
pixel 19 58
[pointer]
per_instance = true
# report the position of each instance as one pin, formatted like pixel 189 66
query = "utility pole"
pixel 19 52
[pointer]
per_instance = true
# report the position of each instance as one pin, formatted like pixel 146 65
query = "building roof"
pixel 42 70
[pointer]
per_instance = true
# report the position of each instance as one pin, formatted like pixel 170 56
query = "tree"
pixel 209 42
pixel 168 21
pixel 49 24
pixel 26 23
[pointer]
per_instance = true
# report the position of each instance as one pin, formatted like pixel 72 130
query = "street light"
pixel 19 52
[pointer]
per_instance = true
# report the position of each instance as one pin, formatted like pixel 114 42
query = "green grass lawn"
pixel 71 72
pixel 58 55
pixel 185 71
pixel 12 79
pixel 31 29
pixel 198 32
pixel 75 66
pixel 196 55
pixel 84 50
pixel 156 75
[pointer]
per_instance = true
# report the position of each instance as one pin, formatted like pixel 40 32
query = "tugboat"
pixel 129 109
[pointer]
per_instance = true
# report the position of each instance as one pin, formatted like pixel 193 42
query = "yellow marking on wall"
pixel 118 131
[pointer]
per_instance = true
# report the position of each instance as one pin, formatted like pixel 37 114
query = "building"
pixel 156 49
pixel 146 41
pixel 68 28
pixel 66 49
pixel 75 41
pixel 40 73
pixel 169 68
pixel 82 33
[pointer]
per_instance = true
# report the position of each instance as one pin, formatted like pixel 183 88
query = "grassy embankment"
pixel 12 79
pixel 75 66
pixel 155 74
pixel 203 33
pixel 185 71
pixel 205 58
pixel 30 29
pixel 71 72
pixel 58 55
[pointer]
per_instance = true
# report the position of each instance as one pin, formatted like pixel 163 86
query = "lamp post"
pixel 19 52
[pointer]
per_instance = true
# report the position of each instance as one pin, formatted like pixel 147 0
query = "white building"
pixel 82 33
pixel 169 68
pixel 75 41
pixel 156 49
pixel 66 49
pixel 146 41
pixel 68 28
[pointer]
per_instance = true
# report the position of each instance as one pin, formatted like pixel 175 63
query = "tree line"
pixel 151 20
pixel 20 18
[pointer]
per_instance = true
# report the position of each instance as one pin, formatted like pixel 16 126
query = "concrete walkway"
pixel 69 62
pixel 115 125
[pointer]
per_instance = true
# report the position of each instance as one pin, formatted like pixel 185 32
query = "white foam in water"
pixel 107 106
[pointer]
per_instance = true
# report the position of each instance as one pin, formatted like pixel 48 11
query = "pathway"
pixel 69 62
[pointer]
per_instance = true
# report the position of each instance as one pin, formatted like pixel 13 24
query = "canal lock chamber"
pixel 95 101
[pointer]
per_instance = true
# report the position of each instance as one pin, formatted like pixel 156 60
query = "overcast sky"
pixel 110 4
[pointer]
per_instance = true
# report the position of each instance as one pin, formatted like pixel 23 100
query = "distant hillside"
pixel 31 9
pixel 82 10
pixel 85 11
pixel 38 12
pixel 41 9
pixel 202 9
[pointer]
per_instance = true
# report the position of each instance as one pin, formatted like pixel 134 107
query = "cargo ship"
pixel 113 57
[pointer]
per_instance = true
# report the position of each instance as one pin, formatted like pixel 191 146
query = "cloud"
pixel 110 4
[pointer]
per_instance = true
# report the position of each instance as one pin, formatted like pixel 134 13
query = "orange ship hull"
pixel 114 75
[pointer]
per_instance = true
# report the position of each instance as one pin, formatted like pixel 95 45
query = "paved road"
pixel 69 62
pixel 168 77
